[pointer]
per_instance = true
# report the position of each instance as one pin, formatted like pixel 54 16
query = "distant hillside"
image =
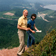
pixel 51 17
pixel 50 26
pixel 11 4
pixel 18 6
pixel 8 32
pixel 47 15
pixel 47 47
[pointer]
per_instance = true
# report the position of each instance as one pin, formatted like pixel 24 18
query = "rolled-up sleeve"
pixel 20 21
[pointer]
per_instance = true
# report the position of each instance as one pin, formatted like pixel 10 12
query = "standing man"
pixel 22 28
pixel 31 38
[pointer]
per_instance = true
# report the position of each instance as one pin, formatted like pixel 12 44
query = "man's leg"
pixel 32 38
pixel 22 42
pixel 29 41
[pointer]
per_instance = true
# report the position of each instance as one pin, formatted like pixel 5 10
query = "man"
pixel 22 28
pixel 31 24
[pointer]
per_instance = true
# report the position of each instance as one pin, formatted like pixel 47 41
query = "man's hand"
pixel 33 31
pixel 27 29
pixel 37 30
pixel 30 30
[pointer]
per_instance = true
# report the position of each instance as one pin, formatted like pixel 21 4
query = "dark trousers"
pixel 31 39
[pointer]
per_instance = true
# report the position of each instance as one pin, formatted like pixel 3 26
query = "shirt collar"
pixel 24 17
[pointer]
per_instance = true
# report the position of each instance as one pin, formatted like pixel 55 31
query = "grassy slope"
pixel 45 48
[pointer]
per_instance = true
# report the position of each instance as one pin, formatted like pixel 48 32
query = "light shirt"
pixel 22 21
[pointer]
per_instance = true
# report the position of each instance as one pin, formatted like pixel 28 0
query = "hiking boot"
pixel 18 55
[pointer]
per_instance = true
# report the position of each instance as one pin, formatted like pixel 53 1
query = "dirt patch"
pixel 10 52
pixel 8 13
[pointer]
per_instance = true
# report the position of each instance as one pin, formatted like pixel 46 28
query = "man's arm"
pixel 35 28
pixel 32 31
pixel 19 27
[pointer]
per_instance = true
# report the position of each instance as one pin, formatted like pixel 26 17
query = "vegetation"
pixel 6 5
pixel 45 48
pixel 2 16
pixel 51 17
pixel 47 12
pixel 8 28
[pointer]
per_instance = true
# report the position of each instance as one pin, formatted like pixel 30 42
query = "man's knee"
pixel 22 43
pixel 33 39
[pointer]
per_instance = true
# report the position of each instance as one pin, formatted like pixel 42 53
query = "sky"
pixel 50 1
pixel 44 1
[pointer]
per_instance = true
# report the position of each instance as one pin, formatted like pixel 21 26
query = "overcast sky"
pixel 42 1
